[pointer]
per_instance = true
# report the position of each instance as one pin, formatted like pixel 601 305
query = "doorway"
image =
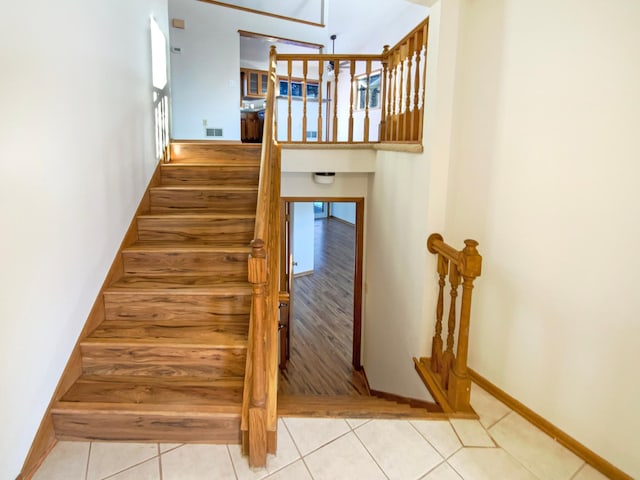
pixel 322 335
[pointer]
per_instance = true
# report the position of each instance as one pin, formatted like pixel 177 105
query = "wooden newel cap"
pixel 257 248
pixel 430 241
pixel 472 265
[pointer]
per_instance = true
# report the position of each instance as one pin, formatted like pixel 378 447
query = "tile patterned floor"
pixel 500 445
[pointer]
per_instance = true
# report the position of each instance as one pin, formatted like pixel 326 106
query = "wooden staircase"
pixel 167 362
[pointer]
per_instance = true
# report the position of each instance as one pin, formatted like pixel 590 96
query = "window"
pixel 297 88
pixel 373 88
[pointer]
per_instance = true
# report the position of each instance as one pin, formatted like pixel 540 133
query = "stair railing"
pixel 353 99
pixel 404 81
pixel 259 415
pixel 445 373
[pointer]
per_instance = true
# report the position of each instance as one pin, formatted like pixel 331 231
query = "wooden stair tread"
pixel 206 188
pixel 129 392
pixel 180 247
pixel 177 284
pixel 222 162
pixel 122 332
pixel 195 245
pixel 176 215
pixel 343 406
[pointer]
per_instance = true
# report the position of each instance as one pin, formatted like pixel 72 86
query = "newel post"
pixel 459 380
pixel 257 408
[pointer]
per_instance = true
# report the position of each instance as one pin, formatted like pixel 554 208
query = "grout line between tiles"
pixel 578 471
pixel 433 468
pixel 434 447
pixel 129 468
pixel 233 465
pixel 86 469
pixel 497 421
pixel 159 461
pixel 372 457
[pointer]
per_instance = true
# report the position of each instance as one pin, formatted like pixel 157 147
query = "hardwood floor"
pixel 322 324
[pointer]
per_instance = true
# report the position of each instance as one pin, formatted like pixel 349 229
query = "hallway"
pixel 322 325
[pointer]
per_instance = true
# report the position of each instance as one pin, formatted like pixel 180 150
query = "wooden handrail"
pixel 259 415
pixel 445 373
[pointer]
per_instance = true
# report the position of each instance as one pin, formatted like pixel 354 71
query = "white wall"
pixel 407 202
pixel 77 136
pixel 545 176
pixel 303 237
pixel 206 75
pixel 344 211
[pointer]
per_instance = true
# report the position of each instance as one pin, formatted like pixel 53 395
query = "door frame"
pixel 356 359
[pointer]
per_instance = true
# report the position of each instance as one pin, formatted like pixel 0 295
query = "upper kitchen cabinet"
pixel 254 82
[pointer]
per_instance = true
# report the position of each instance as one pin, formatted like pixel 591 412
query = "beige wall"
pixel 544 174
pixel 77 152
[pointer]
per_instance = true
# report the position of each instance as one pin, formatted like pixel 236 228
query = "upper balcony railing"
pixel 351 99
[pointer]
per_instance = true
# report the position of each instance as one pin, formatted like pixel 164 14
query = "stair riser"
pixel 168 200
pixel 163 361
pixel 231 266
pixel 147 428
pixel 205 230
pixel 211 175
pixel 166 307
pixel 208 153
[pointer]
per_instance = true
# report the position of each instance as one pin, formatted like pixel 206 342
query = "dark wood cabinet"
pixel 251 125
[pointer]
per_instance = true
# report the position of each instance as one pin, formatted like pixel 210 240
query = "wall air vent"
pixel 214 132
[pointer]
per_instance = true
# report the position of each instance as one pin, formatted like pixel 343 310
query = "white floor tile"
pixel 488 408
pixel 589 473
pixel 165 447
pixel 107 458
pixel 356 422
pixel 343 459
pixel 295 471
pixel 286 453
pixel 311 433
pixel 472 433
pixel 440 434
pixel 67 461
pixel 442 472
pixel 534 449
pixel 488 464
pixel 197 462
pixel 149 470
pixel 398 448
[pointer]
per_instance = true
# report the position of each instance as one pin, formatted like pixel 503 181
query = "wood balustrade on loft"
pixel 353 99
pixel 445 373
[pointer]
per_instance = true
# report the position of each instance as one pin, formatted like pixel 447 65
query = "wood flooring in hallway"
pixel 322 325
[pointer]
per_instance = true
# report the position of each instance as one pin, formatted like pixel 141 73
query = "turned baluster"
pixel 352 72
pixel 406 125
pixel 336 75
pixel 448 356
pixel 384 78
pixel 304 100
pixel 320 72
pixel 436 344
pixel 289 117
pixel 365 135
pixel 460 382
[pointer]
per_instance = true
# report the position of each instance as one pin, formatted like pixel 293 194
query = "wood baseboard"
pixel 592 458
pixel 45 439
pixel 303 274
